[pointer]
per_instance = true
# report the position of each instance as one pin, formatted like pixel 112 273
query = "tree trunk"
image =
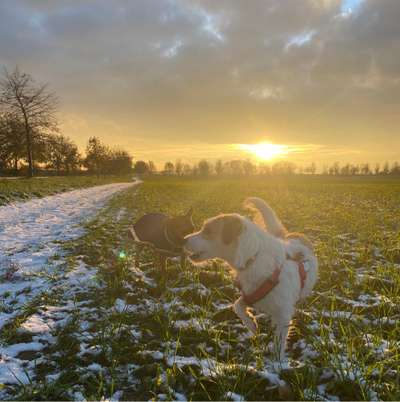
pixel 29 147
pixel 16 165
pixel 30 157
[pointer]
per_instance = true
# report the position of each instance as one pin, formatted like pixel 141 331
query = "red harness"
pixel 270 283
pixel 302 273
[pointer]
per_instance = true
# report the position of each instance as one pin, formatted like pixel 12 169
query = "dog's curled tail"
pixel 271 220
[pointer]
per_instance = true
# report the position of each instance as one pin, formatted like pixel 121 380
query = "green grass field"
pixel 20 189
pixel 151 337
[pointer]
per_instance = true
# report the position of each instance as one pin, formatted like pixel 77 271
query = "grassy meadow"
pixel 130 333
pixel 20 188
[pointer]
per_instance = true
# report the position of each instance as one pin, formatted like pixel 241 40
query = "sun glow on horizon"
pixel 265 150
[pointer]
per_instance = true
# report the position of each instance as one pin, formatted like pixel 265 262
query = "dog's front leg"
pixel 240 308
pixel 281 333
pixel 138 252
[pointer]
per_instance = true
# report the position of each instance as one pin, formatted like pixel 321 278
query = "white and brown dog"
pixel 274 269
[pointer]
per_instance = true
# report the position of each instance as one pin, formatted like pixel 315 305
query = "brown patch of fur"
pixel 302 237
pixel 226 227
pixel 232 228
pixel 212 228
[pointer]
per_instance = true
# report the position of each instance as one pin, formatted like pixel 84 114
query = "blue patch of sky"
pixel 172 50
pixel 350 6
pixel 211 27
pixel 300 39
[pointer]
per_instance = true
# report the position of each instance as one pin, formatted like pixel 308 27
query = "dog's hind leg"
pixel 240 308
pixel 138 251
pixel 183 261
pixel 163 262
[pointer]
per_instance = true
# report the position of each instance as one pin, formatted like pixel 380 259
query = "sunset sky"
pixel 319 79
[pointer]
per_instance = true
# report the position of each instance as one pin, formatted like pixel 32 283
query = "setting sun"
pixel 265 151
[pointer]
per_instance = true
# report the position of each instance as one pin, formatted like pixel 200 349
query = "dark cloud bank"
pixel 177 73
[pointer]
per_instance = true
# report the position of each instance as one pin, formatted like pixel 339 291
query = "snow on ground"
pixel 38 224
pixel 30 235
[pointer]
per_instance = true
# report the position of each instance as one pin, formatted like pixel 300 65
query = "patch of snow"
pixel 137 334
pixel 94 367
pixel 120 305
pixel 196 324
pixel 30 236
pixel 141 276
pixel 233 396
pixel 311 395
pixel 198 287
pixel 12 371
pixel 78 396
pixel 179 396
pixel 155 354
pixel 17 348
pixel 116 396
pixel 53 377
pixel 36 324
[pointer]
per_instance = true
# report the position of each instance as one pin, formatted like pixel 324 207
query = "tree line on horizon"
pixel 240 167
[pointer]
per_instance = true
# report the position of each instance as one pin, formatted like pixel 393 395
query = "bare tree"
pixel 152 167
pixel 365 169
pixel 219 167
pixel 310 169
pixel 178 167
pixel 386 168
pixel 187 169
pixel 12 141
pixel 169 168
pixel 249 168
pixel 30 103
pixel 204 168
pixel 395 168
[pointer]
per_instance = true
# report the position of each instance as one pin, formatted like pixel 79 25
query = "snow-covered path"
pixel 31 233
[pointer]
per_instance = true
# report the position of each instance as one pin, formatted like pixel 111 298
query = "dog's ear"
pixel 232 228
pixel 189 213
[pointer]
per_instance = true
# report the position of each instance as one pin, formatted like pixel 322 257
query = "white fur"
pixel 271 220
pixel 271 252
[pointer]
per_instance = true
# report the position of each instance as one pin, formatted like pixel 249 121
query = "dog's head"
pixel 180 226
pixel 218 238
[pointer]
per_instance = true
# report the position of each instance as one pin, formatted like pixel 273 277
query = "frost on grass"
pixel 31 264
pixel 30 237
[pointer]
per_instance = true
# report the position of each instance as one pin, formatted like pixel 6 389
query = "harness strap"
pixel 270 283
pixel 302 273
pixel 263 289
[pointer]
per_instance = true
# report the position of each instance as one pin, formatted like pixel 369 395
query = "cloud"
pixel 206 72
